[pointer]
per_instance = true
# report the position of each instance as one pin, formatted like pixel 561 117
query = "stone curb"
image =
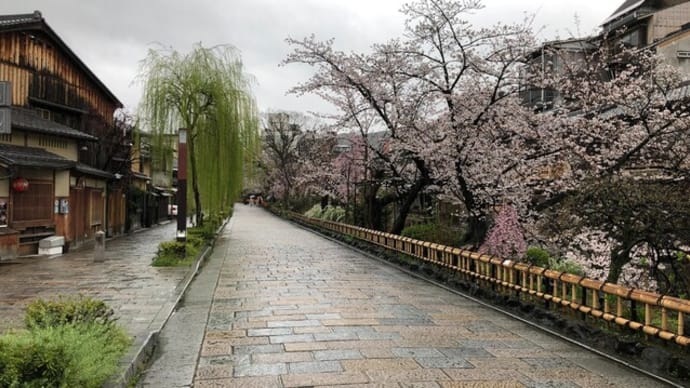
pixel 144 353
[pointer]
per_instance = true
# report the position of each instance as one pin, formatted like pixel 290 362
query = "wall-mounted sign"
pixel 64 205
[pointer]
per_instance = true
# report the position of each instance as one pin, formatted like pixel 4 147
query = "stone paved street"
pixel 292 309
pixel 142 296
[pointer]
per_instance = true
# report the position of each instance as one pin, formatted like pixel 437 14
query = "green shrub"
pixel 314 212
pixel 542 258
pixel 329 213
pixel 206 232
pixel 172 248
pixel 171 254
pixel 72 355
pixel 67 310
pixel 565 265
pixel 432 232
pixel 537 256
pixel 333 213
pixel 70 342
pixel 196 241
pixel 178 254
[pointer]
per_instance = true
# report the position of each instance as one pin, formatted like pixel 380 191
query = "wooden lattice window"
pixel 96 200
pixel 35 204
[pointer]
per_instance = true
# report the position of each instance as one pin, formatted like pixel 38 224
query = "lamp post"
pixel 182 185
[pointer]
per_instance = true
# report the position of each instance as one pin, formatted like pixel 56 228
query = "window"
pixel 634 38
pixel 44 113
pixel 52 141
pixel 35 204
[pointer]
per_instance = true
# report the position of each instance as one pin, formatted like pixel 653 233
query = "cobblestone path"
pixel 292 309
pixel 140 294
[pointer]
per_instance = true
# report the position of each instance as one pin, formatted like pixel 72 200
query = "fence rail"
pixel 653 314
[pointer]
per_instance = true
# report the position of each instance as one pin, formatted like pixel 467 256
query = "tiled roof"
pixel 626 7
pixel 13 20
pixel 14 155
pixel 88 170
pixel 28 120
pixel 138 175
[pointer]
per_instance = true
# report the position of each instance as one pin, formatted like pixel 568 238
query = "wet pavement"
pixel 281 307
pixel 141 295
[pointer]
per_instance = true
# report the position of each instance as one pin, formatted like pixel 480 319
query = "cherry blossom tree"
pixel 446 93
pixel 316 175
pixel 350 165
pixel 505 238
pixel 280 159
pixel 297 151
pixel 622 123
pixel 479 138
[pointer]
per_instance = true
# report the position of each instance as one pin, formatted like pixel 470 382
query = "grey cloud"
pixel 111 37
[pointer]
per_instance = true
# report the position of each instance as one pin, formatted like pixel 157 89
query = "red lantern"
pixel 20 184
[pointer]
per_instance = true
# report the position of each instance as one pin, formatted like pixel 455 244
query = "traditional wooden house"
pixel 48 185
pixel 642 23
pixel 660 25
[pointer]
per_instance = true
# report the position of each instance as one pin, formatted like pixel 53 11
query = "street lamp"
pixel 182 185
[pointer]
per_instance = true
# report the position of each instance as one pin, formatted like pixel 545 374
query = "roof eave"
pixel 622 12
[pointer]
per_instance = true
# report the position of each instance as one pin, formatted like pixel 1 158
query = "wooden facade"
pixel 43 77
pixel 50 84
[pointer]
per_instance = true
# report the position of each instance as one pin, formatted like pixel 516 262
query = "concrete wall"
pixel 670 51
pixel 668 20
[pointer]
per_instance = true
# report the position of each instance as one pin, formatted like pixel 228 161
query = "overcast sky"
pixel 112 37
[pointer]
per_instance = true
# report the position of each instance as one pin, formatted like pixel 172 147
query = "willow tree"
pixel 207 92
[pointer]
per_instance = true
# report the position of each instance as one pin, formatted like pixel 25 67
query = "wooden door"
pixel 78 213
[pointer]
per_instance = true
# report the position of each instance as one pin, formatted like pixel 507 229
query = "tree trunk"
pixel 372 210
pixel 286 197
pixel 195 183
pixel 477 223
pixel 376 215
pixel 406 205
pixel 619 258
pixel 288 188
pixel 477 227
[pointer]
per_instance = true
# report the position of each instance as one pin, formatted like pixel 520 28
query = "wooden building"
pixel 48 183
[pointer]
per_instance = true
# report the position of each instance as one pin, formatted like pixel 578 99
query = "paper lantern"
pixel 20 184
